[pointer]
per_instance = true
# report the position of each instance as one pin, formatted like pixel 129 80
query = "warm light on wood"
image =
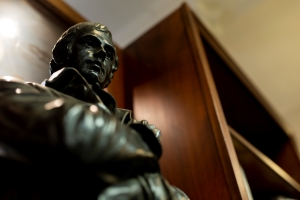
pixel 66 10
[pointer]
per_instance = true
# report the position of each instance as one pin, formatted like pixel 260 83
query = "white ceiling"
pixel 263 37
pixel 126 19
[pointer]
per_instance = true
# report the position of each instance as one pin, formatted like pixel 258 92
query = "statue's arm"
pixel 49 128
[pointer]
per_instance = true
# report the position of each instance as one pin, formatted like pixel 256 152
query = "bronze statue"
pixel 65 138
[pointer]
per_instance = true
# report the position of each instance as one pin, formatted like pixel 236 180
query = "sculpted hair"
pixel 62 51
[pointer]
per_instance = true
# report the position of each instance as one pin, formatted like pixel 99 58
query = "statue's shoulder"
pixel 8 83
pixel 10 79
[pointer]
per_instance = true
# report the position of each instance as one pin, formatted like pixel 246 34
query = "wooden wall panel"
pixel 27 55
pixel 168 84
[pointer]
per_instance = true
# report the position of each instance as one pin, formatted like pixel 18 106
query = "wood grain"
pixel 167 84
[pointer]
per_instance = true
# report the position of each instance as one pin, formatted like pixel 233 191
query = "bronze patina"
pixel 65 138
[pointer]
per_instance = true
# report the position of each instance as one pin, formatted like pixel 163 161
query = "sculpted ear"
pixel 115 65
pixel 61 52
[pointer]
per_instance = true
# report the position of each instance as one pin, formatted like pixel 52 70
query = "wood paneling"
pixel 169 84
pixel 27 55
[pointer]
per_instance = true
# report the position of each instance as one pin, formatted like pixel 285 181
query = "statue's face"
pixel 93 55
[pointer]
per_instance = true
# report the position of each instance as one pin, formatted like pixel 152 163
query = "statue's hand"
pixel 155 130
pixel 147 186
pixel 150 134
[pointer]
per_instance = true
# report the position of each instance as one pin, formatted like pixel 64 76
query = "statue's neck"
pixel 69 81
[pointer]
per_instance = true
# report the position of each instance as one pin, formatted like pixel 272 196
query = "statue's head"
pixel 89 48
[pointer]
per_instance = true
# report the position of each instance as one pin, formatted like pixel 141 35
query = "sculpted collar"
pixel 69 81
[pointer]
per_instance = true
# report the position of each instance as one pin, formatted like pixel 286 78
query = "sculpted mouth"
pixel 96 68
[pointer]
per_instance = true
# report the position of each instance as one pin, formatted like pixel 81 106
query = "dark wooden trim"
pixel 62 10
pixel 276 176
pixel 244 79
pixel 225 146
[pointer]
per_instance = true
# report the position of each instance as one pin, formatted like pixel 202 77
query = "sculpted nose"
pixel 101 54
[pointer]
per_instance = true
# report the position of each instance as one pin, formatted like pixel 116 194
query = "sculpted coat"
pixel 65 138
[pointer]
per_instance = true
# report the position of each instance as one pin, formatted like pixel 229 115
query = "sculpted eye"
pixel 109 52
pixel 109 55
pixel 88 43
